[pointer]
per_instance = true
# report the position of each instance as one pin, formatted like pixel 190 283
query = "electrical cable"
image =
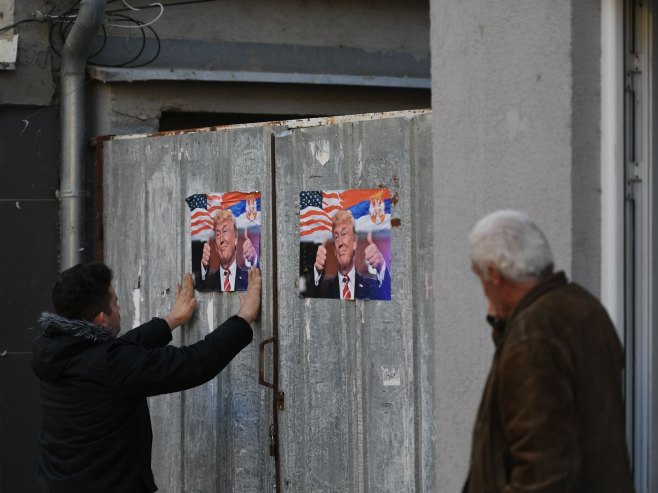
pixel 173 4
pixel 12 26
pixel 98 52
pixel 157 51
pixel 142 24
pixel 61 24
pixel 141 50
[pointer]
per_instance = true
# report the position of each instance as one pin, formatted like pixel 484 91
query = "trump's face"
pixel 226 242
pixel 344 246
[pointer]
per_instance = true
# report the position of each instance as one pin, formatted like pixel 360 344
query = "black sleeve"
pixel 155 333
pixel 152 371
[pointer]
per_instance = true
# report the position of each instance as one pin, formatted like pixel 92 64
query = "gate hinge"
pixel 281 400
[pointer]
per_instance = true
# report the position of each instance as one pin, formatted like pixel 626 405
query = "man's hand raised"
pixel 185 304
pixel 250 302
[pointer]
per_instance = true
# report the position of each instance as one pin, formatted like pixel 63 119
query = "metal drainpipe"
pixel 71 194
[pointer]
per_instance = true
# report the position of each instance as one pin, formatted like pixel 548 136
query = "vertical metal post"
pixel 71 194
pixel 275 319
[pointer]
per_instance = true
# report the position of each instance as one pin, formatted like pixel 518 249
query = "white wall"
pixel 515 99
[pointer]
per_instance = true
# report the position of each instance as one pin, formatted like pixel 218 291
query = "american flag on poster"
pixel 331 201
pixel 316 209
pixel 202 207
pixel 371 209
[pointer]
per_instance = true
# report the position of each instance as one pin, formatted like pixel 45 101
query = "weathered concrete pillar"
pixel 515 99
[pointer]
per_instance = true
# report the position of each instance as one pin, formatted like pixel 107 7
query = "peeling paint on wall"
pixel 321 151
pixel 210 313
pixel 391 377
pixel 137 296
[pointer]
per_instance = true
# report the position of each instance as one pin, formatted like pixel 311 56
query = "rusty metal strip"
pixel 100 244
pixel 275 320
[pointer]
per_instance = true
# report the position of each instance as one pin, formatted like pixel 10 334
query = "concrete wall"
pixel 32 82
pixel 126 108
pixel 516 124
pixel 341 37
pixel 368 24
pixel 381 27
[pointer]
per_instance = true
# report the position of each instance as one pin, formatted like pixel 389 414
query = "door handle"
pixel 261 362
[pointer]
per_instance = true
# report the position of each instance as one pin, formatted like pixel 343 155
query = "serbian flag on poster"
pixel 371 209
pixel 203 206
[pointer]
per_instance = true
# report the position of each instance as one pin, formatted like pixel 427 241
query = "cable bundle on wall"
pixel 118 18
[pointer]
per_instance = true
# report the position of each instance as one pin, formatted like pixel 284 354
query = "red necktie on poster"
pixel 346 288
pixel 227 280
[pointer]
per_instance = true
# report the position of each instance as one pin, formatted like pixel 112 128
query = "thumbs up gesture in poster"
pixel 321 255
pixel 248 250
pixel 374 257
pixel 205 256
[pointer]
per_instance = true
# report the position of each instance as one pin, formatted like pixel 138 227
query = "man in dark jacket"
pixel 551 417
pixel 96 429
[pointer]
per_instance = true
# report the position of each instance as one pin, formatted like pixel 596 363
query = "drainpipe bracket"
pixel 67 194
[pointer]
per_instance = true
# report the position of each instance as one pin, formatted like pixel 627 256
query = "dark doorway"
pixel 29 160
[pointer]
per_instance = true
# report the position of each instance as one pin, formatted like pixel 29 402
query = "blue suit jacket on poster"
pixel 365 288
pixel 214 280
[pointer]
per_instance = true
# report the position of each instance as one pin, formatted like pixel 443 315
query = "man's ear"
pixel 99 319
pixel 494 275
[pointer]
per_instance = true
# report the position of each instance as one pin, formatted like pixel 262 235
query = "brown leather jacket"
pixel 551 417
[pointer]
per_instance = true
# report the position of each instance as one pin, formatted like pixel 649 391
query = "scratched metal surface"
pixel 213 437
pixel 357 375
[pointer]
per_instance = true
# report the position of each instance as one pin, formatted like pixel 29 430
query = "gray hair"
pixel 510 241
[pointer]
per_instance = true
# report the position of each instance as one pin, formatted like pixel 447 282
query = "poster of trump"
pixel 345 244
pixel 225 230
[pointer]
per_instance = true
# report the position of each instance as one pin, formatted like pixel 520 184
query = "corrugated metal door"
pixel 357 409
pixel 357 394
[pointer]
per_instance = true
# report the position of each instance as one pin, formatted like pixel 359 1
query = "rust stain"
pixel 96 141
pixel 291 124
pixel 395 199
pixel 396 222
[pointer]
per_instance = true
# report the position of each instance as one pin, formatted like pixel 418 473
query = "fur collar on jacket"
pixel 56 324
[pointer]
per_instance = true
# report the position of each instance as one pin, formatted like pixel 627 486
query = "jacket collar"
pixel 56 324
pixel 548 284
pixel 551 282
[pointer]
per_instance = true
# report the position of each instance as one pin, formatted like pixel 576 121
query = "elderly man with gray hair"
pixel 551 417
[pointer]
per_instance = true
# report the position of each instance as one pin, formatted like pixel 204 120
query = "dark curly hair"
pixel 83 291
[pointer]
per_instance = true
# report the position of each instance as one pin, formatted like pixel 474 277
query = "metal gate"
pixel 340 397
